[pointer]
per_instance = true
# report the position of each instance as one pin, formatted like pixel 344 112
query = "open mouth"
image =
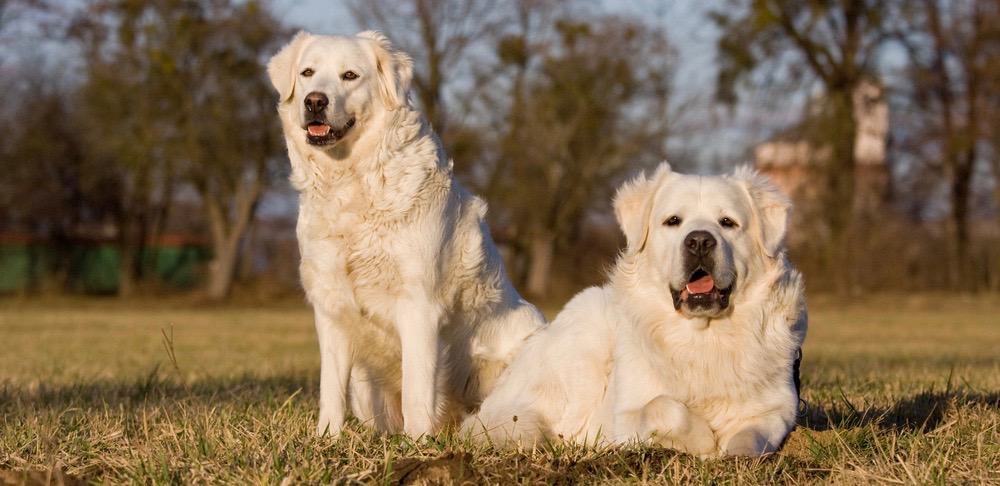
pixel 322 133
pixel 701 292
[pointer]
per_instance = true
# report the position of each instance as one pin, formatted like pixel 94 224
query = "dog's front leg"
pixel 418 323
pixel 335 371
pixel 625 426
pixel 669 423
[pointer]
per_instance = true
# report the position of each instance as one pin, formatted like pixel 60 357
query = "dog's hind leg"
pixel 369 403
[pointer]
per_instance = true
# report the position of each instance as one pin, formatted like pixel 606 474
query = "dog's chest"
pixel 721 364
pixel 340 241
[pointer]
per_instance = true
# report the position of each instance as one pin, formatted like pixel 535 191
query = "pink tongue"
pixel 319 130
pixel 702 285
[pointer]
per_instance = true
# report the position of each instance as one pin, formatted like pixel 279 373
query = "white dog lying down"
pixel 415 315
pixel 691 343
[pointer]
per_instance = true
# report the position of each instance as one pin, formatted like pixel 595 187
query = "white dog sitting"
pixel 415 315
pixel 690 345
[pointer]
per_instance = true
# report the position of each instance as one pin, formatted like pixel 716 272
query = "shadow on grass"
pixel 51 477
pixel 156 390
pixel 922 412
pixel 581 467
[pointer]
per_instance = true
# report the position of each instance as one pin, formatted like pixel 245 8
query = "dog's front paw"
pixel 418 426
pixel 747 442
pixel 669 423
pixel 329 424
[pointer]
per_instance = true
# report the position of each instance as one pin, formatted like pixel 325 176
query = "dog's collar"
pixel 798 382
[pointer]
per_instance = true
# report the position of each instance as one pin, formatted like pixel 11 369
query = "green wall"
pixel 93 269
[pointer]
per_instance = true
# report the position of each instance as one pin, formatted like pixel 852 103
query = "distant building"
pixel 789 157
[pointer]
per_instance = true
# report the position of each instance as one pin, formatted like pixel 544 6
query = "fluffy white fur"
pixel 620 363
pixel 415 315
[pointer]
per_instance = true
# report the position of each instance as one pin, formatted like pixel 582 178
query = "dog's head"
pixel 329 86
pixel 701 239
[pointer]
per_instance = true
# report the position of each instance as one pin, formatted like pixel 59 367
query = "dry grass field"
pixel 899 390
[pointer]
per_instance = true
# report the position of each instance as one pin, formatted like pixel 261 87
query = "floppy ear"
pixel 770 208
pixel 282 69
pixel 633 203
pixel 395 69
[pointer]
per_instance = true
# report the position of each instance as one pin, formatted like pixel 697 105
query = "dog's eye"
pixel 727 223
pixel 349 76
pixel 672 221
pixel 307 72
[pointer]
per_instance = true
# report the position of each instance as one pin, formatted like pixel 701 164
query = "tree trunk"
pixel 156 227
pixel 541 250
pixel 222 269
pixel 429 88
pixel 128 249
pixel 227 229
pixel 126 270
pixel 960 189
pixel 245 265
pixel 132 229
pixel 838 198
pixel 995 278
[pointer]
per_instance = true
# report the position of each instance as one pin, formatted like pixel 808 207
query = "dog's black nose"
pixel 699 243
pixel 316 102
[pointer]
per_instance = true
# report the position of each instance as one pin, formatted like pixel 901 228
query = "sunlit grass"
pixel 899 390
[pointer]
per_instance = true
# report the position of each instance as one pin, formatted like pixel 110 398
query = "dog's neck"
pixel 395 166
pixel 382 139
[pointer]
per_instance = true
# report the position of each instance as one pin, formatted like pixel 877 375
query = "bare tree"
pixel 992 91
pixel 835 43
pixel 121 90
pixel 950 58
pixel 231 133
pixel 49 190
pixel 593 106
pixel 182 96
pixel 438 34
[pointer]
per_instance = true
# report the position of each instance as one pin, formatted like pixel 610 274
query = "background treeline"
pixel 147 128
